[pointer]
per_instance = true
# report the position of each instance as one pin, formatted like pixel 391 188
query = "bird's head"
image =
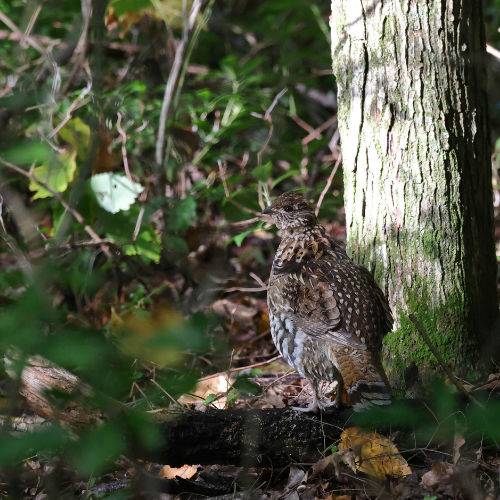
pixel 290 211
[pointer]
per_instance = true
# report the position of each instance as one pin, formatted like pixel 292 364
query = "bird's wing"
pixel 335 299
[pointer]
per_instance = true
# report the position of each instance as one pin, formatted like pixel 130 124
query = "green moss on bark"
pixel 444 326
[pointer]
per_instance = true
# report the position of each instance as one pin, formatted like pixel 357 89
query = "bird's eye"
pixel 288 208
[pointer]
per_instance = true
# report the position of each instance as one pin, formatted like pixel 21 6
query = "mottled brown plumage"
pixel 327 314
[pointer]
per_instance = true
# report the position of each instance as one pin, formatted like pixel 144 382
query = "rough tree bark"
pixel 417 171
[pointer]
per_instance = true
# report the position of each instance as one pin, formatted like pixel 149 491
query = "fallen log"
pixel 264 437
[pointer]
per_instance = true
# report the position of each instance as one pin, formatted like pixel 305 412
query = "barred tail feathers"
pixel 364 379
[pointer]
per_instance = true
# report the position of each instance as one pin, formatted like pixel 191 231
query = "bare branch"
pixel 316 133
pixel 328 184
pixel 173 78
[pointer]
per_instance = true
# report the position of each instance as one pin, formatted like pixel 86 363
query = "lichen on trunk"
pixel 417 173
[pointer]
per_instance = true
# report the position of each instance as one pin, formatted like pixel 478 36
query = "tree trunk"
pixel 417 171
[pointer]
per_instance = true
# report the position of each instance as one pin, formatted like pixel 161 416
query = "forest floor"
pixel 450 461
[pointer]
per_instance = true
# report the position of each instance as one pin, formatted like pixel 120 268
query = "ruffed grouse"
pixel 327 314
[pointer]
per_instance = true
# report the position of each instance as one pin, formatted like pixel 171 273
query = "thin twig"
pixel 123 141
pixel 173 78
pixel 232 370
pixel 267 117
pixel 257 279
pixel 245 209
pixel 23 37
pixel 244 289
pixel 492 51
pixel 277 97
pixel 76 215
pixel 223 179
pixel 77 103
pixel 245 222
pixel 328 183
pixel 316 133
pixel 444 366
pixel 153 381
pixel 31 23
pixel 138 223
pixel 302 124
pixel 33 43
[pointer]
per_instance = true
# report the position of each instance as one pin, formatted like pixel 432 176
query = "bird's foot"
pixel 311 408
pixel 324 405
pixel 320 405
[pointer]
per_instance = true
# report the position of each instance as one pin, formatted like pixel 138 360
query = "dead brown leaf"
pixel 440 472
pixel 346 457
pixel 458 442
pixel 217 384
pixel 234 311
pixel 186 472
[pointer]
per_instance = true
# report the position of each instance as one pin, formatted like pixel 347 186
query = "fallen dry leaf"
pixel 345 457
pixel 217 384
pixel 295 477
pixel 186 472
pixel 376 455
pixel 439 473
pixel 234 311
pixel 458 442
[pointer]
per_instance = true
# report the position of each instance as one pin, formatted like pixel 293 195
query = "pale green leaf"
pixel 115 192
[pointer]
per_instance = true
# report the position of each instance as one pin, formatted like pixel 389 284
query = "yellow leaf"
pixel 168 11
pixel 56 173
pixel 77 133
pixel 151 338
pixel 376 455
pixel 116 322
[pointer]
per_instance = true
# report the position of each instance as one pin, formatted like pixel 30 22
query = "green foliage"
pixel 437 421
pixel 56 173
pixel 101 279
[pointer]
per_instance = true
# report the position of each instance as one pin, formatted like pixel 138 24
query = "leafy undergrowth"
pixel 133 269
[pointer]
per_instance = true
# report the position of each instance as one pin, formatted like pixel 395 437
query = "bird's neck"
pixel 300 243
pixel 305 234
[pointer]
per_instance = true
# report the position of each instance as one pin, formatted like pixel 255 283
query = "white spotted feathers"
pixel 327 314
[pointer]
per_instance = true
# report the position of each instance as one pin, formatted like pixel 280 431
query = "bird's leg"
pixel 314 404
pixel 338 396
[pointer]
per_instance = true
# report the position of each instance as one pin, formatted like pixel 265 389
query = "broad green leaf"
pixel 182 215
pixel 238 238
pixel 77 133
pixel 262 172
pixel 176 244
pixel 99 448
pixel 56 173
pixel 115 192
pixel 123 6
pixel 209 399
pixel 284 176
pixel 246 386
pixel 147 244
pixel 17 448
pixel 28 153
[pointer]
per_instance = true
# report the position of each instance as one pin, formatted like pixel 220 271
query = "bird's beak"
pixel 266 215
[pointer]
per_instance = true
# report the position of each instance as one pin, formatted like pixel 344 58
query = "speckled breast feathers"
pixel 328 316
